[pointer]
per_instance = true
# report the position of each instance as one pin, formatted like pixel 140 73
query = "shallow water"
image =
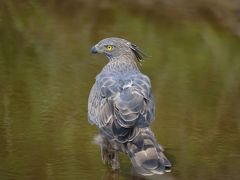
pixel 46 72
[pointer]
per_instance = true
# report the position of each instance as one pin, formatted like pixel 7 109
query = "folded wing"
pixel 121 105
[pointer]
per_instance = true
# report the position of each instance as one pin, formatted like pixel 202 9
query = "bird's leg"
pixel 115 158
pixel 115 161
pixel 104 151
pixel 110 154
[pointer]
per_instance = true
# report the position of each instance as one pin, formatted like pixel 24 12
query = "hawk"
pixel 121 105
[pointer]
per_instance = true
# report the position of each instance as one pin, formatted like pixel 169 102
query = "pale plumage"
pixel 122 107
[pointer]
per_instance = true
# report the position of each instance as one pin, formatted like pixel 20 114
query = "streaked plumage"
pixel 121 105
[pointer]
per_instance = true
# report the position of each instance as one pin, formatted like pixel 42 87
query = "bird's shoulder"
pixel 111 78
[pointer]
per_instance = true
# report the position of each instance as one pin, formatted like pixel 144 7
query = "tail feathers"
pixel 146 155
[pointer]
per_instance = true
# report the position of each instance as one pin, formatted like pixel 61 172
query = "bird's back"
pixel 121 97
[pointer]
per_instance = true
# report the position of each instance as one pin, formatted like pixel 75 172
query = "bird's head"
pixel 116 47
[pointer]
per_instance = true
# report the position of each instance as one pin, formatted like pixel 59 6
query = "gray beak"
pixel 94 50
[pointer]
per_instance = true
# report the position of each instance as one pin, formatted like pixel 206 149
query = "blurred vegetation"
pixel 46 73
pixel 222 13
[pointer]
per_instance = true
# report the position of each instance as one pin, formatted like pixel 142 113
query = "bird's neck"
pixel 122 64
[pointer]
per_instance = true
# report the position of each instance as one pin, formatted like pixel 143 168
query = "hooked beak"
pixel 94 50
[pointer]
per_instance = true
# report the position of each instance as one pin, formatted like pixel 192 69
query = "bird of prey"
pixel 121 105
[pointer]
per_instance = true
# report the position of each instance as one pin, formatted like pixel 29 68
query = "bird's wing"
pixel 100 111
pixel 135 106
pixel 125 103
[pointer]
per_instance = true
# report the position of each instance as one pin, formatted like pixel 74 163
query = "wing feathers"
pixel 121 105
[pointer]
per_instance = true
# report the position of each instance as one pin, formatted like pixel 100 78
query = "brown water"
pixel 46 72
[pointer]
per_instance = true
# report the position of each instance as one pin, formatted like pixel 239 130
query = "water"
pixel 46 72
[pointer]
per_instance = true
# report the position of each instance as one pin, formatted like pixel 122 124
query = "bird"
pixel 121 105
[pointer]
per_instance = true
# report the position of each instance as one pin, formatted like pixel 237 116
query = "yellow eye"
pixel 109 48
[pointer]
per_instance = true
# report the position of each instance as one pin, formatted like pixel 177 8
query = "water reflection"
pixel 46 73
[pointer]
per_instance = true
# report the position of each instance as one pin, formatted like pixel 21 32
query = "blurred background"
pixel 46 72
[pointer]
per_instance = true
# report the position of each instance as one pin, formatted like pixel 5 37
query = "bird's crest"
pixel 138 53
